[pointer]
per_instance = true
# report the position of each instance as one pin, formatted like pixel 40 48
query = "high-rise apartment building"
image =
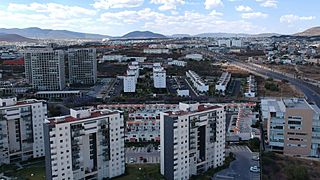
pixel 21 129
pixel 87 144
pixel 293 126
pixel 44 69
pixel 82 66
pixel 192 140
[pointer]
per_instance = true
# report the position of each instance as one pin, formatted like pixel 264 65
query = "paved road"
pixel 311 92
pixel 240 168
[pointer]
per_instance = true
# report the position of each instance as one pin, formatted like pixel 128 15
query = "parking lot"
pixel 239 169
pixel 142 155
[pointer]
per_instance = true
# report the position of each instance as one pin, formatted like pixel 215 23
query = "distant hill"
pixel 142 35
pixel 37 33
pixel 180 35
pixel 15 38
pixel 229 35
pixel 315 31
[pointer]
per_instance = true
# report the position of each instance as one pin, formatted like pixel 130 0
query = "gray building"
pixel 82 66
pixel 44 69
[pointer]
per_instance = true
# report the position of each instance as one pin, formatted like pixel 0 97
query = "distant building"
pixel 82 66
pixel 21 124
pixel 177 63
pixel 131 78
pixel 197 82
pixel 293 126
pixel 192 140
pixel 87 144
pixel 44 69
pixel 159 77
pixel 251 87
pixel 236 43
pixel 222 84
pixel 197 57
pixel 156 51
pixel 224 42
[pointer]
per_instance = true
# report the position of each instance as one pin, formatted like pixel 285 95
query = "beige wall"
pixel 307 116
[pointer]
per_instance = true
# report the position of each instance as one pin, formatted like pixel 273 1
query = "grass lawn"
pixel 147 172
pixel 36 168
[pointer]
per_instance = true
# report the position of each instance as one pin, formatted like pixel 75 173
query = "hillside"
pixel 142 35
pixel 315 31
pixel 37 33
pixel 15 38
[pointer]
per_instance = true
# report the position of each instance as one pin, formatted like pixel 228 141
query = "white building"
pixel 197 57
pixel 224 42
pixel 159 76
pixel 82 66
pixel 87 144
pixel 192 140
pixel 177 63
pixel 222 84
pixel 44 68
pixel 131 79
pixel 236 43
pixel 251 87
pixel 21 124
pixel 197 82
pixel 156 51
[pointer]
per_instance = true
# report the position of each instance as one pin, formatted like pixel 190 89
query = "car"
pixel 131 160
pixel 255 158
pixel 255 169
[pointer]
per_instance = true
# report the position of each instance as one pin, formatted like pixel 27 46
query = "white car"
pixel 131 160
pixel 256 158
pixel 255 169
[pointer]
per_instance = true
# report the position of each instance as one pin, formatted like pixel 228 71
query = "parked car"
pixel 256 158
pixel 255 169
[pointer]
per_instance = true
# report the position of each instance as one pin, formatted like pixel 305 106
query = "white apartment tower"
pixel 159 77
pixel 82 66
pixel 192 140
pixel 21 129
pixel 87 144
pixel 44 69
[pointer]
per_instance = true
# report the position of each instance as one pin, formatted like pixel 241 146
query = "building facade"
pixel 82 66
pixel 293 126
pixel 159 77
pixel 192 140
pixel 87 144
pixel 45 69
pixel 21 124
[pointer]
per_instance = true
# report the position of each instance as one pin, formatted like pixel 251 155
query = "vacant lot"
pixel 277 166
pixel 283 89
pixel 310 71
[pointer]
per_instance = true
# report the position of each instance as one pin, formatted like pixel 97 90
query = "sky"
pixel 118 17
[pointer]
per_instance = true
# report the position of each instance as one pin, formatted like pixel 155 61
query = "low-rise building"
pixel 222 84
pixel 197 57
pixel 251 87
pixel 197 81
pixel 177 63
pixel 156 51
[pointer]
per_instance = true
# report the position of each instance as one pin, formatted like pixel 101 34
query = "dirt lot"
pixel 278 166
pixel 236 72
pixel 310 71
pixel 285 89
pixel 283 68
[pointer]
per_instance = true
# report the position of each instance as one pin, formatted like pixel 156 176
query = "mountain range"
pixel 33 33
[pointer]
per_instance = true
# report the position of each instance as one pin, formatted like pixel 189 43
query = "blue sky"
pixel 117 17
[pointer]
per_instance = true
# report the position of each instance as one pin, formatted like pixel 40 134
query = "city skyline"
pixel 114 18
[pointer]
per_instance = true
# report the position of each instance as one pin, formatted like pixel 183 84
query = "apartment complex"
pixel 82 66
pixel 44 69
pixel 222 84
pixel 293 126
pixel 197 82
pixel 251 87
pixel 159 76
pixel 21 129
pixel 87 144
pixel 192 140
pixel 131 78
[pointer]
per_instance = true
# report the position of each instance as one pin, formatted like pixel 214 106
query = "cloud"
pixel 187 22
pixel 254 15
pixel 168 4
pixel 268 3
pixel 53 10
pixel 242 8
pixel 209 4
pixel 109 4
pixel 290 18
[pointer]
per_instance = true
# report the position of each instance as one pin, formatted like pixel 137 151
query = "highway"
pixel 311 92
